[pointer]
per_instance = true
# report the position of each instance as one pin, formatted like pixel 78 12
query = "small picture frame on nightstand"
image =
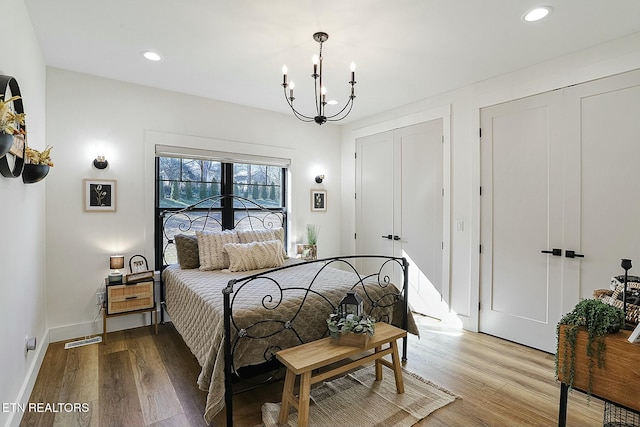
pixel 138 264
pixel 142 276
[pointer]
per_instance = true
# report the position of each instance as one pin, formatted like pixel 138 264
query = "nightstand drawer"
pixel 125 298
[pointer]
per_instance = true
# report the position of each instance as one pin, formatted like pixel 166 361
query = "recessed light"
pixel 151 56
pixel 537 13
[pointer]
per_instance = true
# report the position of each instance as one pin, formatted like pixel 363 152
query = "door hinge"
pixel 355 195
pixel 479 305
pixel 480 132
pixel 481 190
pixel 355 235
pixel 443 192
pixel 442 245
pixel 443 139
pixel 355 155
pixel 480 248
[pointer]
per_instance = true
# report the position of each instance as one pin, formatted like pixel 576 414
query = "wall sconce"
pixel 116 262
pixel 100 162
pixel 319 179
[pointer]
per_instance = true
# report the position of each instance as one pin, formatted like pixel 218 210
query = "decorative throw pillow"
pixel 187 250
pixel 210 248
pixel 248 236
pixel 254 255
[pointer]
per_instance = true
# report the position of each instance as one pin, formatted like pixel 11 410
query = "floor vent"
pixel 80 343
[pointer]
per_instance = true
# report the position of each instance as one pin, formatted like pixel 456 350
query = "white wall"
pixel 85 112
pixel 600 61
pixel 22 215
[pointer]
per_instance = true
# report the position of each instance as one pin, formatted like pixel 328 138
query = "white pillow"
pixel 254 255
pixel 248 236
pixel 211 248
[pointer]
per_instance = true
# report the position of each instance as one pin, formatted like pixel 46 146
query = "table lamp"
pixel 116 262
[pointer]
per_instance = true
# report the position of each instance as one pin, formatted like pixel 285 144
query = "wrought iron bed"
pixel 382 299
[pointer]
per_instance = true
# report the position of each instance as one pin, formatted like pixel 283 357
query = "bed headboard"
pixel 207 215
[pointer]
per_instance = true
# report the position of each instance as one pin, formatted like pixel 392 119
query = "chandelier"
pixel 319 89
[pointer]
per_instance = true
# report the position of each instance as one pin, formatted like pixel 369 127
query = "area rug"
pixel 358 400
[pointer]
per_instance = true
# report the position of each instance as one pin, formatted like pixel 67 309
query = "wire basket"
pixel 616 416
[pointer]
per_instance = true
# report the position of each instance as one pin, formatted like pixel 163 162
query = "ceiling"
pixel 233 51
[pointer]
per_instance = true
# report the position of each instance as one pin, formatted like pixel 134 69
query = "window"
pixel 181 182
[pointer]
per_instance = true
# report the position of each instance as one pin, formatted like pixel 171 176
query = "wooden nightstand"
pixel 123 300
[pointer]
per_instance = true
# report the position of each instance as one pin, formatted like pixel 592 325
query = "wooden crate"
pixel 618 381
pixel 352 340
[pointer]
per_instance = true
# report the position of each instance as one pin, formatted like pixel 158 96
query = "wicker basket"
pixel 616 416
pixel 615 297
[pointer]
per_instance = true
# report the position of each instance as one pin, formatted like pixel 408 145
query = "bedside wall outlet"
pixel 100 298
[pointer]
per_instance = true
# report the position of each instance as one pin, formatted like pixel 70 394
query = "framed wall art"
pixel 318 200
pixel 100 195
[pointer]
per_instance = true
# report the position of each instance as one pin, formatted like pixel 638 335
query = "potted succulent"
pixel 351 330
pixel 37 166
pixel 595 319
pixel 309 251
pixel 11 123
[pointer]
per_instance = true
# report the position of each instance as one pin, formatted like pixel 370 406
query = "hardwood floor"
pixel 139 379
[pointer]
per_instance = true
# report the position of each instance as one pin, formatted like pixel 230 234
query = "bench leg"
pixel 287 392
pixel 397 369
pixel 378 365
pixel 303 402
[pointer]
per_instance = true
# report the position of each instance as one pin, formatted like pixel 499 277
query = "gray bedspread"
pixel 194 302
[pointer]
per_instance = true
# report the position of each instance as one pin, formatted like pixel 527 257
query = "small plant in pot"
pixel 357 324
pixel 11 123
pixel 36 157
pixel 351 330
pixel 37 166
pixel 597 319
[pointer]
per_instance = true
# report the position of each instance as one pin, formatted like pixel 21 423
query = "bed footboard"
pixel 369 275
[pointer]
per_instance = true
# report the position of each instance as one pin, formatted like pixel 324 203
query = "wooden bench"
pixel 305 358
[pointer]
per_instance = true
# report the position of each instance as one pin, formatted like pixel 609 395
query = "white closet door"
pixel 375 195
pixel 521 216
pixel 399 207
pixel 559 170
pixel 603 201
pixel 421 223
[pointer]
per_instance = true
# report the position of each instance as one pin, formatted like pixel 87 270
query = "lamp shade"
pixel 116 262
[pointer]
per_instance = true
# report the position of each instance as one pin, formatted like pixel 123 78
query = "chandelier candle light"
pixel 320 101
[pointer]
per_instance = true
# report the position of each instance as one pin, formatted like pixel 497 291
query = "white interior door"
pixel 421 218
pixel 399 206
pixel 521 208
pixel 604 203
pixel 558 172
pixel 375 195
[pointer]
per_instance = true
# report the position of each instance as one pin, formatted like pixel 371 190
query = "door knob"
pixel 555 252
pixel 396 237
pixel 388 236
pixel 573 254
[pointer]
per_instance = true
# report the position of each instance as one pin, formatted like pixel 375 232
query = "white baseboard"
pixel 27 386
pixel 81 330
pixel 68 332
